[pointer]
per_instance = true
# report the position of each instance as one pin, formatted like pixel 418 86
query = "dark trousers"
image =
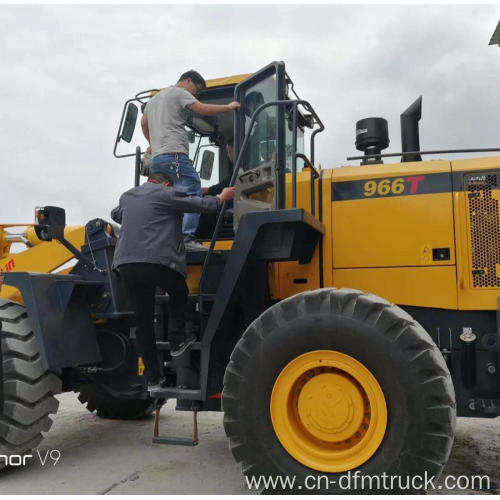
pixel 140 281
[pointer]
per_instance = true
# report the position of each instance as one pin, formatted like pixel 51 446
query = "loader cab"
pixel 269 135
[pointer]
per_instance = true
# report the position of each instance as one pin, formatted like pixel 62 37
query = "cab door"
pixel 264 178
pixel 260 182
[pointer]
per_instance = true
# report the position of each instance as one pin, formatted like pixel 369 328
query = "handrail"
pixel 434 152
pixel 146 94
pixel 314 175
pixel 299 155
pixel 284 102
pixel 308 164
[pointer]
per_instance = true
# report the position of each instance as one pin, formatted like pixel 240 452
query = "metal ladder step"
pixel 198 258
pixel 192 297
pixel 183 441
pixel 176 393
pixel 165 346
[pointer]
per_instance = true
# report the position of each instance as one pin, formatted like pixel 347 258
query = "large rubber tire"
pixel 399 353
pixel 110 407
pixel 27 389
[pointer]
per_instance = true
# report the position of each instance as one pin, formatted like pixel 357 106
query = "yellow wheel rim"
pixel 328 411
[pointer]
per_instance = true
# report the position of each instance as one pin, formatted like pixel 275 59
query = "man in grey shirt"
pixel 163 125
pixel 150 253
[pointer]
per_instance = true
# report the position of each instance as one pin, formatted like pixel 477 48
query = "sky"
pixel 68 69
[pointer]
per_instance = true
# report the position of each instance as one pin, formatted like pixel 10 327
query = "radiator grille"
pixel 484 229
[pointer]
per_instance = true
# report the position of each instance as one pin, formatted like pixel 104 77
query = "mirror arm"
pixel 137 173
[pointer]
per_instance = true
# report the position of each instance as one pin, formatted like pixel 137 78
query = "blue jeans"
pixel 181 170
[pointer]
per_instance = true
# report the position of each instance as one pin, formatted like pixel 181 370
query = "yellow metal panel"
pixel 140 366
pixel 471 164
pixel 274 280
pixel 326 181
pixel 289 272
pixel 220 244
pixel 284 274
pixel 477 300
pixel 193 278
pixel 396 231
pixel 194 271
pixel 416 286
pixel 385 221
pixel 303 190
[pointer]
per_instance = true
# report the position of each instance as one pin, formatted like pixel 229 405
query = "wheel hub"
pixel 330 407
pixel 328 411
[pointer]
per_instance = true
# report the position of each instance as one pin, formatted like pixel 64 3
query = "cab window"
pixel 205 158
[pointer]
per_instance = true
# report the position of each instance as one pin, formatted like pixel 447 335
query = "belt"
pixel 178 154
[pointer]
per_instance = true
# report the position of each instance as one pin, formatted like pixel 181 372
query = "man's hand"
pixel 233 106
pixel 226 195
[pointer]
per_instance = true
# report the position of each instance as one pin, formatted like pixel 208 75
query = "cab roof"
pixel 218 82
pixel 226 80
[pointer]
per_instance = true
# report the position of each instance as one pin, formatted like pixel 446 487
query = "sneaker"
pixel 157 385
pixel 177 348
pixel 194 246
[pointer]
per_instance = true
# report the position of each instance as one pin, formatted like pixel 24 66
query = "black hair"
pixel 160 177
pixel 195 77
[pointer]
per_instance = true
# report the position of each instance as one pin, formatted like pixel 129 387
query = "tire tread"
pixel 28 389
pixel 395 324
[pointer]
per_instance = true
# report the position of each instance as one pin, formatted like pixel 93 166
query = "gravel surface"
pixel 111 456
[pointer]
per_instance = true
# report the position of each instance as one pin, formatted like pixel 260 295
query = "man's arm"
pixel 145 126
pixel 217 188
pixel 184 203
pixel 200 108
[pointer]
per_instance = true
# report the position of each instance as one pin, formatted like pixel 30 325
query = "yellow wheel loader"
pixel 344 316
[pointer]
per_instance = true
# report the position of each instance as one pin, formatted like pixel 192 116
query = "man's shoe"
pixel 156 385
pixel 194 246
pixel 177 348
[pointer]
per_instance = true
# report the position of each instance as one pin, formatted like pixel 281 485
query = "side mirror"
pixel 129 124
pixel 207 165
pixel 50 223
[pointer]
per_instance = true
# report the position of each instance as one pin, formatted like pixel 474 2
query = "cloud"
pixel 67 71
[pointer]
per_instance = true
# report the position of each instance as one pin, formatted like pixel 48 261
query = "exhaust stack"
pixel 409 131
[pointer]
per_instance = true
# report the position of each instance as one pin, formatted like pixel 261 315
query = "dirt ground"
pixel 107 456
